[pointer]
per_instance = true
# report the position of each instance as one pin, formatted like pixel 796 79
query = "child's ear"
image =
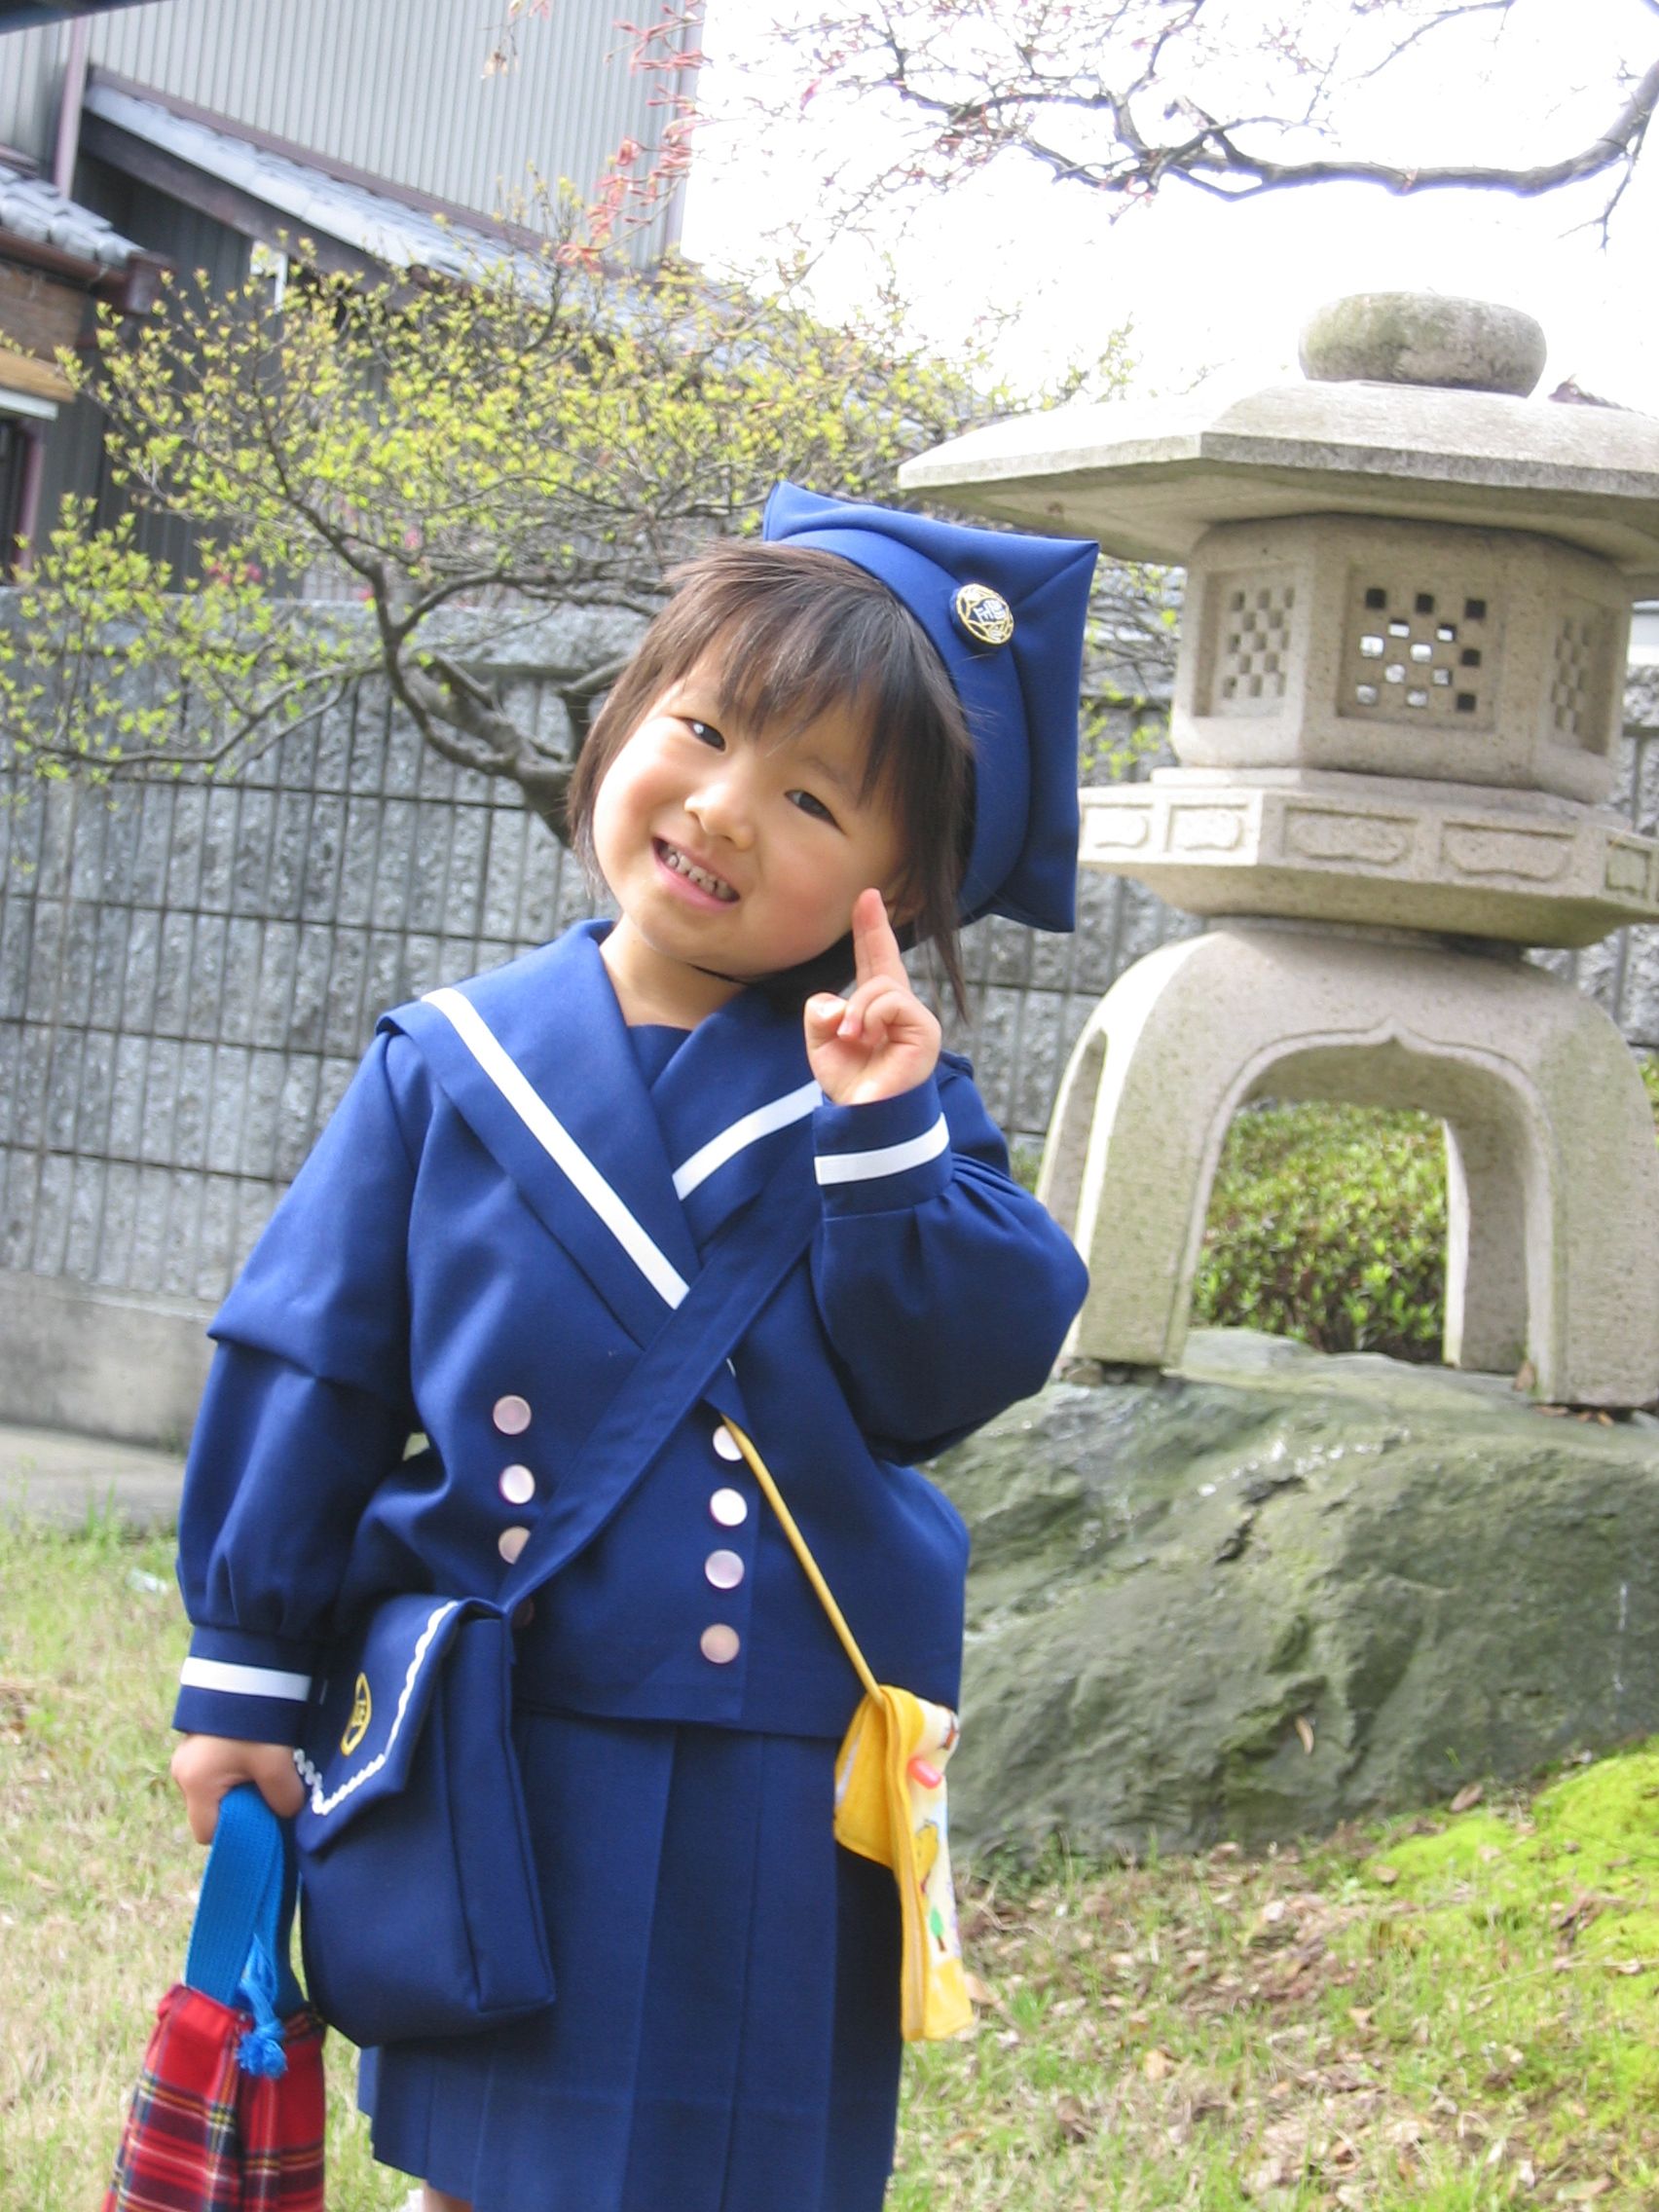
pixel 903 903
pixel 902 915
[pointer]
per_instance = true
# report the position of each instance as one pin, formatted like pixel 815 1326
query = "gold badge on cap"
pixel 985 614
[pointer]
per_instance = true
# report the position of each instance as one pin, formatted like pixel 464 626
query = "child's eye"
pixel 813 807
pixel 706 733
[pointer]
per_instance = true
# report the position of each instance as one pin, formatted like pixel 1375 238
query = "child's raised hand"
pixel 880 1040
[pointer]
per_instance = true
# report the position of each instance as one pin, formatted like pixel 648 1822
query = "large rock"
pixel 1278 1590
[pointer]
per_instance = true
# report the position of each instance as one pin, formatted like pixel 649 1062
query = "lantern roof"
pixel 1149 480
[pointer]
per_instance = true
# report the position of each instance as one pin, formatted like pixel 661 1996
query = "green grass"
pixel 98 1872
pixel 1444 2013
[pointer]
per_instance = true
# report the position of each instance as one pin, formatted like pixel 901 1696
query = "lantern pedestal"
pixel 1554 1174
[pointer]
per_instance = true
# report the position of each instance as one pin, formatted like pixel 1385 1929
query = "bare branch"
pixel 589 685
pixel 1074 94
pixel 1426 29
pixel 1603 221
pixel 1213 161
pixel 1618 143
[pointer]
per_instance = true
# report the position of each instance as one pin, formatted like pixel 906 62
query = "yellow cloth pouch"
pixel 891 1807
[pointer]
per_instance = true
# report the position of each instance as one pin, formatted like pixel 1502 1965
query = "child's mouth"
pixel 716 886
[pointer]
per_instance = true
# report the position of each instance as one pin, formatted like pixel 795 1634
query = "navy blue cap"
pixel 1005 612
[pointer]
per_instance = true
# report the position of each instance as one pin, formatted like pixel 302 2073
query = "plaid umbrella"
pixel 229 2109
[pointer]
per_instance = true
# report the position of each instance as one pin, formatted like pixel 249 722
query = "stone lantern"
pixel 1396 709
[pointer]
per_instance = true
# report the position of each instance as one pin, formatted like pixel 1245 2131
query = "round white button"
pixel 719 1644
pixel 724 1570
pixel 726 1445
pixel 729 1507
pixel 510 1542
pixel 517 1485
pixel 511 1416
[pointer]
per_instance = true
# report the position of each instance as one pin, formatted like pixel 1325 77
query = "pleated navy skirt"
pixel 725 2032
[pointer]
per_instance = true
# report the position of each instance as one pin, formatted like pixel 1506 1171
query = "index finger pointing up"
pixel 875 948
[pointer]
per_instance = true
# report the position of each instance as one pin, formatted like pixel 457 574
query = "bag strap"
pixel 247 1907
pixel 743 1266
pixel 814 1572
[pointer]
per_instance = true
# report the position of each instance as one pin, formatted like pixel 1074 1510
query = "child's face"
pixel 732 855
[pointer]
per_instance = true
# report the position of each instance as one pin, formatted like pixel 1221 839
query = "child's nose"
pixel 722 804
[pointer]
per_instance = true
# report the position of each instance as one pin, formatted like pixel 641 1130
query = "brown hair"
pixel 799 630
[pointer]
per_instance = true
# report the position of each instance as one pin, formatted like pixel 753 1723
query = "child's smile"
pixel 732 852
pixel 682 865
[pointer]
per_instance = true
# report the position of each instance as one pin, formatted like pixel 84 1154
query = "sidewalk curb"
pixel 65 1480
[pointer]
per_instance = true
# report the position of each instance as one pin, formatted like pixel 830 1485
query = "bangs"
pixel 783 668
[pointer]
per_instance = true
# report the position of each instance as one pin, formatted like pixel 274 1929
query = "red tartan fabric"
pixel 203 2136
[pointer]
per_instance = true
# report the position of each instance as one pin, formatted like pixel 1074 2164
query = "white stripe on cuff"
pixel 245 1681
pixel 890 1159
pixel 778 1114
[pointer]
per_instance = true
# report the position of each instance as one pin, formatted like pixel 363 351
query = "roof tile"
pixel 353 214
pixel 31 208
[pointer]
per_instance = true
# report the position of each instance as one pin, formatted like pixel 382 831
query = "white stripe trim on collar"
pixel 244 1682
pixel 747 1129
pixel 890 1159
pixel 558 1143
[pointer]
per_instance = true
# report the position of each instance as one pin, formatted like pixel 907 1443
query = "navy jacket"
pixel 498 1216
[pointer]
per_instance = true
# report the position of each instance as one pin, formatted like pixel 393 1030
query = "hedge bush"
pixel 1328 1223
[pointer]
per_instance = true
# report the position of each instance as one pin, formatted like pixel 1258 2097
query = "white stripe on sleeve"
pixel 244 1682
pixel 890 1159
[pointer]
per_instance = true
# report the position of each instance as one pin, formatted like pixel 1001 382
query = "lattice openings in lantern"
pixel 1393 647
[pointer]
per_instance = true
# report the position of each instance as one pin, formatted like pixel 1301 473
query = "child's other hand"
pixel 205 1767
pixel 880 1040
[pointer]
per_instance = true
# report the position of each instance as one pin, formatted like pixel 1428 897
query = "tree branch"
pixel 263 723
pixel 1452 15
pixel 458 719
pixel 1000 113
pixel 475 452
pixel 1619 142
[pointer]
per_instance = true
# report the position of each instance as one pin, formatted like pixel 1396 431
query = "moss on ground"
pixel 1454 2010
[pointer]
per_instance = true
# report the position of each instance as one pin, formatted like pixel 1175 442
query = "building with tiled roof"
pixel 214 134
pixel 55 257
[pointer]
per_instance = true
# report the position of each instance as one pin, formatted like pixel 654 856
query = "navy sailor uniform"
pixel 496 1219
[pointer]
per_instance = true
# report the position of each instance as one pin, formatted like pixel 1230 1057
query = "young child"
pixel 837 741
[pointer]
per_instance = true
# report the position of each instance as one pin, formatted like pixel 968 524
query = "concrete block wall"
pixel 1622 971
pixel 188 977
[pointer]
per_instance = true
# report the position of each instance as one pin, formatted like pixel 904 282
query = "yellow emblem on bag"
pixel 357 1727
